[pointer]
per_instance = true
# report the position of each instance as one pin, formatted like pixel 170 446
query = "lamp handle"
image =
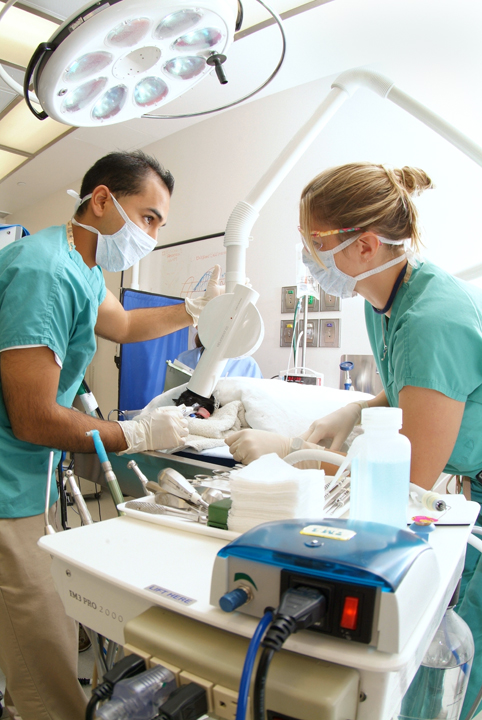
pixel 39 53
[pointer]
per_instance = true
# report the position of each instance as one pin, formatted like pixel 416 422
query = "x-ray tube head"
pixel 229 326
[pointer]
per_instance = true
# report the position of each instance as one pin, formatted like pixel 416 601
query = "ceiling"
pixel 32 180
pixel 412 41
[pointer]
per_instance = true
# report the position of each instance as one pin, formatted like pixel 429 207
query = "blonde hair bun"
pixel 365 195
pixel 414 180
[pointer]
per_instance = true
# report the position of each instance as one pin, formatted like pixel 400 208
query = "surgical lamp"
pixel 115 60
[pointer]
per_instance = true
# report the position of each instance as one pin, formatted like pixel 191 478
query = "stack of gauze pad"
pixel 270 489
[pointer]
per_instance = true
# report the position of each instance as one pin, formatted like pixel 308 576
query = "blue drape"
pixel 143 364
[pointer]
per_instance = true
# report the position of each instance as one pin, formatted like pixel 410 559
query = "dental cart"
pixel 146 585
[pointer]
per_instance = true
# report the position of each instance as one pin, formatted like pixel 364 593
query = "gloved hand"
pixel 194 306
pixel 249 445
pixel 162 429
pixel 337 425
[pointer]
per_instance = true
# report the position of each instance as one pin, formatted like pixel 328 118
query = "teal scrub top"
pixel 48 296
pixel 434 340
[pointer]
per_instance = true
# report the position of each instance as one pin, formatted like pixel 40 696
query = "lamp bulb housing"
pixel 118 59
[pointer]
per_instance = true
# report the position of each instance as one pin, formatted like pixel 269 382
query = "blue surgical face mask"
pixel 335 282
pixel 124 248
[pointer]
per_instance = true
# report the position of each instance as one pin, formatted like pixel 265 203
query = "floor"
pixel 101 508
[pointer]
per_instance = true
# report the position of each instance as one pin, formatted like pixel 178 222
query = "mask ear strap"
pixel 385 266
pixel 342 246
pixel 386 241
pixel 87 227
pixel 78 199
pixel 121 210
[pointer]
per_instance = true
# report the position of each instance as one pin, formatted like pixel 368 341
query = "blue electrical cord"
pixel 249 663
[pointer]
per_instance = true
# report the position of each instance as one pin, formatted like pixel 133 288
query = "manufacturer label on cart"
pixel 171 595
pixel 325 531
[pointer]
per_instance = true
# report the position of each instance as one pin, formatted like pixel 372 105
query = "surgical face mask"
pixel 335 282
pixel 124 248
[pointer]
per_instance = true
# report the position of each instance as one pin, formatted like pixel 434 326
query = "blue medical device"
pixel 376 578
pixel 346 367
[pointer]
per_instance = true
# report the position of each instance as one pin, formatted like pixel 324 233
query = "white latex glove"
pixel 194 306
pixel 163 429
pixel 248 445
pixel 337 425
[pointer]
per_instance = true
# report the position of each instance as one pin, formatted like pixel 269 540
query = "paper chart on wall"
pixel 186 269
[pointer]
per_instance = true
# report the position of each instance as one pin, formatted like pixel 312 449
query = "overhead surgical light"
pixel 118 59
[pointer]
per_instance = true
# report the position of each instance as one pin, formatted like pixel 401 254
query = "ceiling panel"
pixel 253 11
pixel 20 33
pixel 6 97
pixel 20 130
pixel 62 9
pixel 9 161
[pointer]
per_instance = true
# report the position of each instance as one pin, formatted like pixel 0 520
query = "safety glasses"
pixel 323 233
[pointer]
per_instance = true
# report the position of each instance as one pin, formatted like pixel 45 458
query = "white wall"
pixel 217 162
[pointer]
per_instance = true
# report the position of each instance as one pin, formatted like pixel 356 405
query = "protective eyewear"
pixel 323 233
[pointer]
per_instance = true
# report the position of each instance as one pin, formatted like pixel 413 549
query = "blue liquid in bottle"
pixel 383 494
pixel 380 469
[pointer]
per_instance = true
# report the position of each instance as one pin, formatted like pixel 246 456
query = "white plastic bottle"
pixel 380 469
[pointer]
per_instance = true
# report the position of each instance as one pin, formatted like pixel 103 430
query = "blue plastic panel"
pixel 377 554
pixel 143 364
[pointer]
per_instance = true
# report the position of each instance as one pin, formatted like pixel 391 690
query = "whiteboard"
pixel 186 269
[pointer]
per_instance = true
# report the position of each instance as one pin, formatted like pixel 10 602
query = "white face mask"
pixel 124 248
pixel 335 282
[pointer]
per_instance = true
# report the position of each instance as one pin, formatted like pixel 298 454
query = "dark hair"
pixel 124 173
pixel 197 341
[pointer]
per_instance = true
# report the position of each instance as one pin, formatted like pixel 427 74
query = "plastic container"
pixel 438 689
pixel 380 469
pixel 139 697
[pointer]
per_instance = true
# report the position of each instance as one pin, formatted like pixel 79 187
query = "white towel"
pixel 209 433
pixel 270 489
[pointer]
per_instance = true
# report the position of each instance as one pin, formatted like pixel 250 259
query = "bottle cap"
pixel 383 417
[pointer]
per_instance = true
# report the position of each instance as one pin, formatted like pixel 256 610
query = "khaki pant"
pixel 38 642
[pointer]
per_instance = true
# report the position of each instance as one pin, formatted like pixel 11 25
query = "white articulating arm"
pixel 246 212
pixel 351 80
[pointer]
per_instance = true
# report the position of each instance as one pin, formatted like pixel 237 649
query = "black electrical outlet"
pixel 350 608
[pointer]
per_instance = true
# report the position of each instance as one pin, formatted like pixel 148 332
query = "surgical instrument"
pixel 79 499
pixel 110 477
pixel 174 483
pixel 156 509
pixel 48 529
pixel 132 465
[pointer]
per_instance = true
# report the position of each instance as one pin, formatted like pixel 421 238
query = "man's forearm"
pixel 150 323
pixel 64 429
